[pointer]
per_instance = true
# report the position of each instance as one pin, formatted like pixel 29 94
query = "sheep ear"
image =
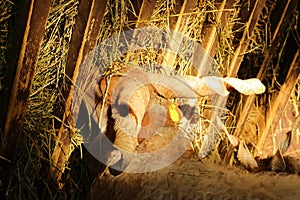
pixel 222 86
pixel 247 87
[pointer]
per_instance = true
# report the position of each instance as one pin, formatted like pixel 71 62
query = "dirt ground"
pixel 188 178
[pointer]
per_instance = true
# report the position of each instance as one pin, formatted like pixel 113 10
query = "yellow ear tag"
pixel 173 113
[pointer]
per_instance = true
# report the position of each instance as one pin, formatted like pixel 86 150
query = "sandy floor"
pixel 187 178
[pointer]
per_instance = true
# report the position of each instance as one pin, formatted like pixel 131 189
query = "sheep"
pixel 123 105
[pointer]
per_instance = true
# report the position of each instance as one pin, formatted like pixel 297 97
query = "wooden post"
pixel 84 38
pixel 32 24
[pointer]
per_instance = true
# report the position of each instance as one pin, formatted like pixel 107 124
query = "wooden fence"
pixel 31 29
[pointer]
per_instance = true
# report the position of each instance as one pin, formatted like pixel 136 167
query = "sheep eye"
pixel 122 109
pixel 187 110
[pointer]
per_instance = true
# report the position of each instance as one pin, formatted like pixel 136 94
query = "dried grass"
pixel 40 133
pixel 6 12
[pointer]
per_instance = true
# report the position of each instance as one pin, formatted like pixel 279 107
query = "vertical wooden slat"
pixel 85 33
pixel 13 51
pixel 84 38
pixel 145 12
pixel 173 19
pixel 249 100
pixel 188 6
pixel 33 36
pixel 142 10
pixel 23 71
pixel 278 29
pixel 180 26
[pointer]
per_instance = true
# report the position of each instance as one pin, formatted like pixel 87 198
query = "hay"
pixel 30 175
pixel 7 9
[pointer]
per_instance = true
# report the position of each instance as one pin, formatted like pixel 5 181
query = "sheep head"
pixel 136 116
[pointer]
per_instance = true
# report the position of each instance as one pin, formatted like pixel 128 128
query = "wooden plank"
pixel 13 51
pixel 174 16
pixel 145 13
pixel 85 33
pixel 243 44
pixel 187 7
pixel 144 10
pixel 282 13
pixel 180 26
pixel 31 25
pixel 84 38
pixel 243 16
